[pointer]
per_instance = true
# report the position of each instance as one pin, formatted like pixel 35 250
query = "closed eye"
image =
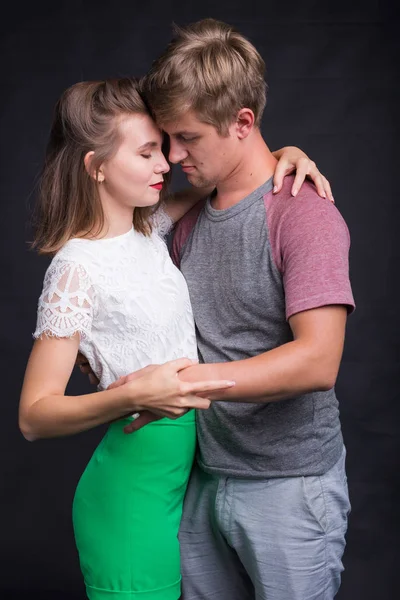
pixel 187 139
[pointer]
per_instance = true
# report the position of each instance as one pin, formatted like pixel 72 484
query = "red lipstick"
pixel 157 186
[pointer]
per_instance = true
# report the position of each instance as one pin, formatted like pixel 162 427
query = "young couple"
pixel 261 299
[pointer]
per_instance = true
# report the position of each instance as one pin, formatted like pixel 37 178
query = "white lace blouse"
pixel 125 298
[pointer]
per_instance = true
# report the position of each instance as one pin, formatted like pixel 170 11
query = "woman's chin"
pixel 148 202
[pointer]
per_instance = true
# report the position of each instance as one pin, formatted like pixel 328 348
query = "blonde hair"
pixel 211 69
pixel 86 118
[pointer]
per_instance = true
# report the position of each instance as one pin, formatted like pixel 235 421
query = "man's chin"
pixel 196 181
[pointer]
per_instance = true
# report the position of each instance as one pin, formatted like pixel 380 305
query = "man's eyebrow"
pixel 148 145
pixel 184 132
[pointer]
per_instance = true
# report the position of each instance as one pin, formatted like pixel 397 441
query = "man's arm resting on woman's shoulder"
pixel 308 363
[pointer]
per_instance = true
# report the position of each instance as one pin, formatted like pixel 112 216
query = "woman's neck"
pixel 117 217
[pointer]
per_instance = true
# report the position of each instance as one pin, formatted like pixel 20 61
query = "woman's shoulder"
pixel 69 259
pixel 74 253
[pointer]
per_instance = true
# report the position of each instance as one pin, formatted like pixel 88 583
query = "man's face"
pixel 205 156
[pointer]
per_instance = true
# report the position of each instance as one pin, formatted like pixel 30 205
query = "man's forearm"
pixel 292 369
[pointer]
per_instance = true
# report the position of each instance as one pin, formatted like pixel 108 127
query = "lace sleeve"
pixel 66 304
pixel 162 222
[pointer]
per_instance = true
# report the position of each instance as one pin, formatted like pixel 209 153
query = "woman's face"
pixel 133 177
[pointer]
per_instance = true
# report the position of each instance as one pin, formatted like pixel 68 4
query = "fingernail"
pixel 135 416
pixel 294 192
pixel 275 189
pixel 333 200
pixel 231 382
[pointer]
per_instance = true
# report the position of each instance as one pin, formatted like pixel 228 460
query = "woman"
pixel 112 293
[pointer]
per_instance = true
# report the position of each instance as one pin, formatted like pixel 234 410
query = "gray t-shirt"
pixel 248 269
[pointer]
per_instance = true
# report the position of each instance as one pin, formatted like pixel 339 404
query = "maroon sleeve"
pixel 310 245
pixel 183 229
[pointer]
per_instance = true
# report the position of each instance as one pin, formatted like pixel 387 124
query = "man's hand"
pixel 143 419
pixel 293 159
pixel 159 393
pixel 85 368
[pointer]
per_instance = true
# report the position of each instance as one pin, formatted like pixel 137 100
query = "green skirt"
pixel 127 510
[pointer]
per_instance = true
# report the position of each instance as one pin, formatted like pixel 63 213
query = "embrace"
pixel 222 473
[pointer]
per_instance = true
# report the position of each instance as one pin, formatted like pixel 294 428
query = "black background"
pixel 332 74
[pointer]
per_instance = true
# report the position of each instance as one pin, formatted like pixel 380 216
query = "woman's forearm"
pixel 179 203
pixel 278 153
pixel 57 415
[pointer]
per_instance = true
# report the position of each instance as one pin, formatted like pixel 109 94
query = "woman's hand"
pixel 292 159
pixel 159 393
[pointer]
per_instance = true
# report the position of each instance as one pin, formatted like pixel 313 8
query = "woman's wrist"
pixel 129 396
pixel 278 153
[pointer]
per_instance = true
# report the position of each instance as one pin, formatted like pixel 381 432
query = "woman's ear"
pixel 88 161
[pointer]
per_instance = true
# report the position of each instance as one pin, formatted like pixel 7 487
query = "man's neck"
pixel 255 167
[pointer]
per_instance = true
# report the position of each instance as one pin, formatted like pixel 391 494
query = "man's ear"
pixel 244 122
pixel 88 161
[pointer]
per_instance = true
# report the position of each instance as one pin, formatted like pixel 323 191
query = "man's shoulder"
pixel 283 201
pixel 306 209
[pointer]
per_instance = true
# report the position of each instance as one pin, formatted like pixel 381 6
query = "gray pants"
pixel 272 539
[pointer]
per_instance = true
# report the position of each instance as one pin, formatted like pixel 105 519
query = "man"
pixel 266 509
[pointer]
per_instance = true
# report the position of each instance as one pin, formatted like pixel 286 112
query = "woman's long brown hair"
pixel 85 119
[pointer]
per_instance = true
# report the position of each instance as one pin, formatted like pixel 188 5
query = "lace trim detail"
pixel 66 304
